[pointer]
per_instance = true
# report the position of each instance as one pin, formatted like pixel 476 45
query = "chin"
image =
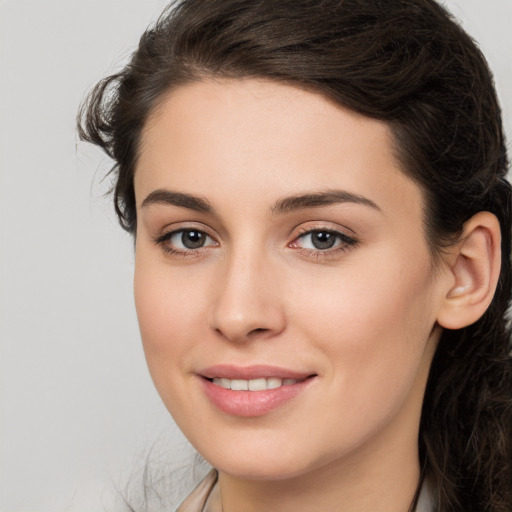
pixel 259 470
pixel 262 463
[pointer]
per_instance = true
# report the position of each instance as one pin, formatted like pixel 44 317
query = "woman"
pixel 322 222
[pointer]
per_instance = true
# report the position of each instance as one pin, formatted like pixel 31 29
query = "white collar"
pixel 425 502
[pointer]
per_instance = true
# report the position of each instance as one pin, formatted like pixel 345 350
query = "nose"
pixel 247 300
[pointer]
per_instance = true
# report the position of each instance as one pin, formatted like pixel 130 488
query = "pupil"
pixel 192 239
pixel 323 240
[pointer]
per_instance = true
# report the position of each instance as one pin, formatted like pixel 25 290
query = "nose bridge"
pixel 246 304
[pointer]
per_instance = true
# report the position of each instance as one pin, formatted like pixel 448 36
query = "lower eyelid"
pixel 333 252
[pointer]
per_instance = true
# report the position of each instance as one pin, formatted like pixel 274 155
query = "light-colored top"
pixel 206 497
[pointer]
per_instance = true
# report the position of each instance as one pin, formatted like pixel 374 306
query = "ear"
pixel 474 268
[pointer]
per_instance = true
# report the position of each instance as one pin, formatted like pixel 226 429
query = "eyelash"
pixel 164 243
pixel 343 243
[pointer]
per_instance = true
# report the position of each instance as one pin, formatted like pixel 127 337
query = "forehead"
pixel 265 140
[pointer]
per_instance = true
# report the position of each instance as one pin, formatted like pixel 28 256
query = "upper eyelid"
pixel 305 231
pixel 176 227
pixel 313 226
pixel 343 236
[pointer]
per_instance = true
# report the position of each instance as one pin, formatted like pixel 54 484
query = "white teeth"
pixel 239 385
pixel 225 383
pixel 260 384
pixel 257 384
pixel 274 382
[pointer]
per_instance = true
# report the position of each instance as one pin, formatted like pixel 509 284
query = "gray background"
pixel 78 412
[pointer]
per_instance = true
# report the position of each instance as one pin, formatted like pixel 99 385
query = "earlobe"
pixel 475 268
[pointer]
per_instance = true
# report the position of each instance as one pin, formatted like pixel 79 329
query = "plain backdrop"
pixel 78 411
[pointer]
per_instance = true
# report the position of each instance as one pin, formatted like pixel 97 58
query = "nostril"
pixel 255 331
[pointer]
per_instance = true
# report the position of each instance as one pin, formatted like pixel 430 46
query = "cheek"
pixel 168 310
pixel 373 326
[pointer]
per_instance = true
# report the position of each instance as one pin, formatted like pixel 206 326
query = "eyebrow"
pixel 163 196
pixel 302 201
pixel 282 206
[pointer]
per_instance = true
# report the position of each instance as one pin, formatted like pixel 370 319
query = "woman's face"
pixel 277 239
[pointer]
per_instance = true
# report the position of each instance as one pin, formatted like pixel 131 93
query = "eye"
pixel 322 240
pixel 185 240
pixel 189 239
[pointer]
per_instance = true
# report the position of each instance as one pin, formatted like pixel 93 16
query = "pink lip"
pixel 249 404
pixel 228 371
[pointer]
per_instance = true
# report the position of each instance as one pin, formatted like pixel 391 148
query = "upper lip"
pixel 228 371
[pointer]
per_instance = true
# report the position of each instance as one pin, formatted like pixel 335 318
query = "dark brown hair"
pixel 402 61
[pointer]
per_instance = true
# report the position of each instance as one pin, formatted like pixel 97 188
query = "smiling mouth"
pixel 253 391
pixel 259 384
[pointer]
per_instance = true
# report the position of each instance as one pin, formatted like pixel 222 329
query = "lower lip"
pixel 248 404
